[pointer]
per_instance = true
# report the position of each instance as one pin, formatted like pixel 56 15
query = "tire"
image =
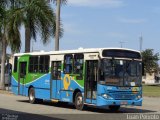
pixel 79 103
pixel 114 108
pixel 32 98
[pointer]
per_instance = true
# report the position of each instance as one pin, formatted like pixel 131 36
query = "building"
pixel 152 78
pixel 157 76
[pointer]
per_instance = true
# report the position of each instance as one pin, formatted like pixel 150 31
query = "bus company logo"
pixel 66 81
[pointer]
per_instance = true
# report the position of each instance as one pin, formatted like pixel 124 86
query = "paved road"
pixel 11 105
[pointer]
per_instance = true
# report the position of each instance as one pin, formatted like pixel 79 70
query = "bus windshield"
pixel 121 72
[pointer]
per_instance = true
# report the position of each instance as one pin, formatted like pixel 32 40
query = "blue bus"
pixel 102 77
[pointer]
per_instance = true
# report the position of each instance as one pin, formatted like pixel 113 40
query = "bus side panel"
pixel 56 87
pixel 41 86
pixel 68 86
pixel 14 90
pixel 42 81
pixel 42 93
pixel 66 96
pixel 14 86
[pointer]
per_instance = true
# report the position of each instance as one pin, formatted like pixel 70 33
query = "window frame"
pixel 72 58
pixel 57 66
pixel 81 57
pixel 44 64
pixel 32 59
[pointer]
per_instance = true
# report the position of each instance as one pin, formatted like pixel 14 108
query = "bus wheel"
pixel 32 98
pixel 114 107
pixel 79 103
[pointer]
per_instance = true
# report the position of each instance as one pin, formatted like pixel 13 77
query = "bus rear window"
pixel 121 54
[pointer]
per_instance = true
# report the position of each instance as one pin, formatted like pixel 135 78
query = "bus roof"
pixel 80 50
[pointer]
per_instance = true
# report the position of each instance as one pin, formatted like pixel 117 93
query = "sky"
pixel 106 23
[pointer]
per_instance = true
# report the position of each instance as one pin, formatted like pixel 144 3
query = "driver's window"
pixel 108 68
pixel 133 69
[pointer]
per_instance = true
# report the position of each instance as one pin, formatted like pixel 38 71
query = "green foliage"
pixel 8 22
pixel 38 18
pixel 150 61
pixel 9 32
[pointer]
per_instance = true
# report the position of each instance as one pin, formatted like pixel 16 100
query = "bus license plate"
pixel 124 103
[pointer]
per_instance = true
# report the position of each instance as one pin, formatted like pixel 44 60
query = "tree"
pixel 37 17
pixel 59 30
pixel 57 35
pixel 150 61
pixel 9 33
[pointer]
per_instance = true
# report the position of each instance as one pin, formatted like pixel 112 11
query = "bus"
pixel 102 77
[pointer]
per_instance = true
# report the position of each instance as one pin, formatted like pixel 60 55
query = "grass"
pixel 151 91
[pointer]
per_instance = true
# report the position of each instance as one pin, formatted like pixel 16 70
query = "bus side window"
pixel 68 64
pixel 44 64
pixel 78 65
pixel 33 64
pixel 56 70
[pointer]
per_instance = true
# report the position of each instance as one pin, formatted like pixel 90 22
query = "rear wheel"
pixel 79 103
pixel 114 107
pixel 32 98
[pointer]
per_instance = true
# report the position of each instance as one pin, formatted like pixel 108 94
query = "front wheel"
pixel 79 103
pixel 32 98
pixel 114 107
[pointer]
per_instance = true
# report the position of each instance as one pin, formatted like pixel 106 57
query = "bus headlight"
pixel 138 97
pixel 106 96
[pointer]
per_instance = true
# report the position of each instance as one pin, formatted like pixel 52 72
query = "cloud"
pixel 132 21
pixel 97 3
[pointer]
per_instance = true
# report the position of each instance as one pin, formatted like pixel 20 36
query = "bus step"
pixel 54 100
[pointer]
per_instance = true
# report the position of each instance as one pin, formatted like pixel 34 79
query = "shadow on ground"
pixel 93 109
pixel 16 115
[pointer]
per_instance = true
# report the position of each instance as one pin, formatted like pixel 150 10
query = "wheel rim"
pixel 31 96
pixel 79 101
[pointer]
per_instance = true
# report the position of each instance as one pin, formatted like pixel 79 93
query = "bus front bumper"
pixel 107 102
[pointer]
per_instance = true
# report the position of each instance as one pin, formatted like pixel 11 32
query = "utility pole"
pixel 140 43
pixel 121 43
pixel 57 25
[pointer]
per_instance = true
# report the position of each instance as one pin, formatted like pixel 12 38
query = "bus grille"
pixel 122 96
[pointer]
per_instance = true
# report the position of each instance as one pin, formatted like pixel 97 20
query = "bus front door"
pixel 55 79
pixel 22 77
pixel 91 81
